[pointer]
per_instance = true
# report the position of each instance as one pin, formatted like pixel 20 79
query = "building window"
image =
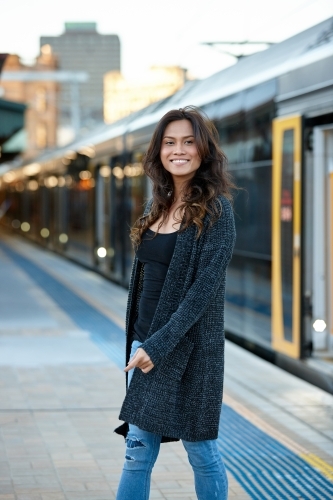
pixel 41 136
pixel 41 100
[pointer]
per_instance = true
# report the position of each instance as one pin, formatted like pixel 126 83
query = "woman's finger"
pixel 139 360
pixel 136 361
pixel 145 365
pixel 146 370
pixel 133 362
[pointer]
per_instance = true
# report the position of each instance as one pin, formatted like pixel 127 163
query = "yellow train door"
pixel 286 235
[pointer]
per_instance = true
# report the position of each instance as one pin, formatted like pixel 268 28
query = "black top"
pixel 155 253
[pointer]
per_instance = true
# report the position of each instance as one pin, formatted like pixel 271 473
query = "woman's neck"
pixel 178 190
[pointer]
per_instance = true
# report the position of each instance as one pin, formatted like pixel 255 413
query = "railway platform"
pixel 62 384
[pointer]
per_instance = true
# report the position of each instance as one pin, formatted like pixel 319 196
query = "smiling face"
pixel 179 154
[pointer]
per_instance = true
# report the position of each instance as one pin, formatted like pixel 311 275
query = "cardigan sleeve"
pixel 214 258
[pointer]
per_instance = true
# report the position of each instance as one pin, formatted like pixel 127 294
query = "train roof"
pixel 300 50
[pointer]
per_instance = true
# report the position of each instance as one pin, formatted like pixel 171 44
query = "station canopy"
pixel 11 123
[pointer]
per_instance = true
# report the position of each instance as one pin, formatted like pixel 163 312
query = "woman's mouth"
pixel 179 162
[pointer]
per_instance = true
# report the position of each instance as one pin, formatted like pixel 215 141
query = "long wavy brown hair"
pixel 200 193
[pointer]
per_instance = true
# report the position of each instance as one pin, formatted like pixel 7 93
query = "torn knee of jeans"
pixel 134 443
pixel 129 459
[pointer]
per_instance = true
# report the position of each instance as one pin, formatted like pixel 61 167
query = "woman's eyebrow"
pixel 170 137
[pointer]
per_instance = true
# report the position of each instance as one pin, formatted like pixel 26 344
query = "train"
pixel 274 114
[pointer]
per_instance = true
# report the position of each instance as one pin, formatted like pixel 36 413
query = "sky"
pixel 161 32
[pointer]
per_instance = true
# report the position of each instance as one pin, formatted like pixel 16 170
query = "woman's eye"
pixel 188 142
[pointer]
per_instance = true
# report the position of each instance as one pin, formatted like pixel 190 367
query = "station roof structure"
pixel 12 121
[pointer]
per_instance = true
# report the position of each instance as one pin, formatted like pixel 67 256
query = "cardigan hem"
pixel 168 435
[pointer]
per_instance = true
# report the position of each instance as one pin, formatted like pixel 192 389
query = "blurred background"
pixel 81 90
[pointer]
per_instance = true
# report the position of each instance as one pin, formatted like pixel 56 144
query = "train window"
pixel 248 299
pixel 118 218
pixel 248 311
pixel 80 206
pixel 246 139
pixel 102 223
pixel 253 210
pixel 287 180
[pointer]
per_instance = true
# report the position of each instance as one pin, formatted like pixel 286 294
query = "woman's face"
pixel 179 154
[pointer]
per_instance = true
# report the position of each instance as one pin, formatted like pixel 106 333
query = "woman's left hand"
pixel 140 360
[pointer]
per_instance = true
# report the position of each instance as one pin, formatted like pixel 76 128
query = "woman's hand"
pixel 140 360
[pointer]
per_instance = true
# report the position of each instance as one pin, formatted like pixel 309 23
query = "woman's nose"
pixel 179 150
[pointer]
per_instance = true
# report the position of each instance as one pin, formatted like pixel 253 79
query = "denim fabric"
pixel 135 345
pixel 142 448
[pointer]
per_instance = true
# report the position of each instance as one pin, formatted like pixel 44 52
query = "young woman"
pixel 174 326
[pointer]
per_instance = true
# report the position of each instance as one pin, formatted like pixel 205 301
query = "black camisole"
pixel 155 253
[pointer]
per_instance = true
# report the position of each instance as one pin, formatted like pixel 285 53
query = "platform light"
pixel 33 185
pixel 9 176
pixel 128 171
pixel 118 172
pixel 25 226
pixel 51 181
pixel 101 252
pixel 32 169
pixel 133 170
pixel 19 187
pixel 45 233
pixel 66 161
pixel 138 167
pixel 105 171
pixel 61 181
pixel 85 174
pixel 319 325
pixel 63 238
pixel 16 223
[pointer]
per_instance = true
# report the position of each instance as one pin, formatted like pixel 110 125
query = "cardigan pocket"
pixel 175 363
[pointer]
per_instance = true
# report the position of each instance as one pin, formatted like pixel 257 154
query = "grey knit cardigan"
pixel 181 397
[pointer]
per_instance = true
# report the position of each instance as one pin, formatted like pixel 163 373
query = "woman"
pixel 174 326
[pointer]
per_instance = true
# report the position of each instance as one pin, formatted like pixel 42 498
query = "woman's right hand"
pixel 140 360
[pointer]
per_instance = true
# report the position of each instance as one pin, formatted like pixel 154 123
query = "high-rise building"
pixel 122 97
pixel 82 48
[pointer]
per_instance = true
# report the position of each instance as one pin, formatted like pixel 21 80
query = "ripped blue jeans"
pixel 142 449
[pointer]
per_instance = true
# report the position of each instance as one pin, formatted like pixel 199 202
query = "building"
pixel 122 97
pixel 40 97
pixel 82 48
